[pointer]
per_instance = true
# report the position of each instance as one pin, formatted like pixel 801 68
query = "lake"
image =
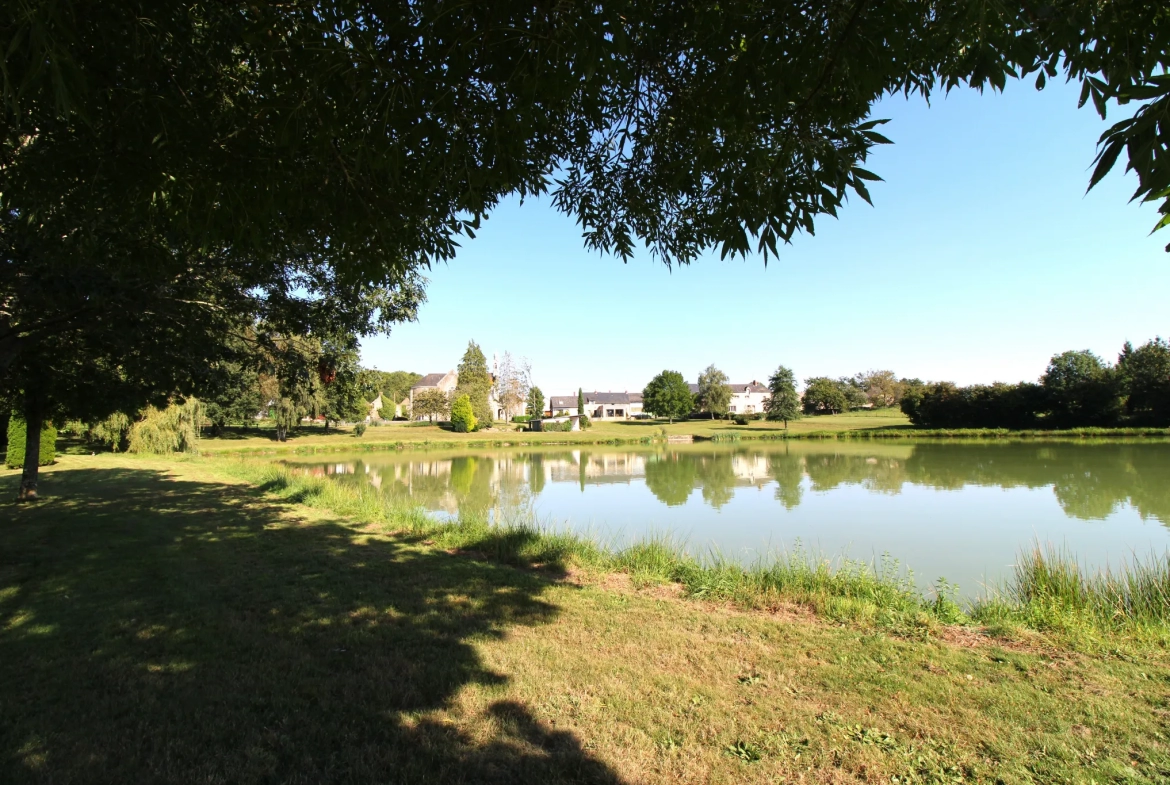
pixel 958 510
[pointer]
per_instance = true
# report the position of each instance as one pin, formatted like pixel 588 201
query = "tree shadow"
pixel 156 630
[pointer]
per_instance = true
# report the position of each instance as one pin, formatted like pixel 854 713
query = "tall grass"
pixel 1049 590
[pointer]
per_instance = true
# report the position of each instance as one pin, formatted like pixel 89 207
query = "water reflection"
pixel 1089 482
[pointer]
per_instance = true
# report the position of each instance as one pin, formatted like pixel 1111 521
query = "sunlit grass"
pixel 1049 591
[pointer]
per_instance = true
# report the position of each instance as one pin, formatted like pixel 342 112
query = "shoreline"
pixel 1049 593
pixel 1102 435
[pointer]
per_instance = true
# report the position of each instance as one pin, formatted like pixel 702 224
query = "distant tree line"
pixel 872 389
pixel 1078 390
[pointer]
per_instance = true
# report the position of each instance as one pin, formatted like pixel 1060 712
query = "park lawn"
pixel 315 437
pixel 160 622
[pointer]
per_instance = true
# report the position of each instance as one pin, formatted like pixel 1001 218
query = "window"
pixel 609 412
pixel 620 412
pixel 731 408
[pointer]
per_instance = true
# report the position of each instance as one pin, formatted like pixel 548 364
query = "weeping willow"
pixel 173 429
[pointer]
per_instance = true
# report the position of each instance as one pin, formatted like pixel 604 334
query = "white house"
pixel 745 398
pixel 599 405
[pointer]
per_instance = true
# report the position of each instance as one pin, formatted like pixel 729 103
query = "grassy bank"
pixel 988 433
pixel 401 435
pixel 885 424
pixel 162 622
pixel 1048 593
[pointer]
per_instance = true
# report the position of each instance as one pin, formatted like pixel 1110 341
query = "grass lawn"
pixel 160 622
pixel 316 438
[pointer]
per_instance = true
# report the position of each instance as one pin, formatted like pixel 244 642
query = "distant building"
pixel 446 383
pixel 599 405
pixel 745 398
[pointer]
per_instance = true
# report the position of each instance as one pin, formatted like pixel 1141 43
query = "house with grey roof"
pixel 599 405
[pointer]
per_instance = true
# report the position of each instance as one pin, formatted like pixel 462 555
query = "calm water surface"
pixel 963 511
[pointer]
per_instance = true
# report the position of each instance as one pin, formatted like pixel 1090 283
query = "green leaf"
pixel 1105 162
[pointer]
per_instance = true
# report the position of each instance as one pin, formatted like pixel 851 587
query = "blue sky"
pixel 982 257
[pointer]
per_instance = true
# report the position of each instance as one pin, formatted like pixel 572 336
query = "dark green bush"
pixel 14 458
pixel 359 429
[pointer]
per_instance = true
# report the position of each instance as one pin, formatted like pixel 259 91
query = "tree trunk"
pixel 33 420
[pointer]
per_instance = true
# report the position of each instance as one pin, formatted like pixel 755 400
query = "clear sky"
pixel 982 257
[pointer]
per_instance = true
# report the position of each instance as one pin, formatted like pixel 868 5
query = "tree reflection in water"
pixel 1090 481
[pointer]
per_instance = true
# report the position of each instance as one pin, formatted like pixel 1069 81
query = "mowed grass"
pixel 315 437
pixel 162 622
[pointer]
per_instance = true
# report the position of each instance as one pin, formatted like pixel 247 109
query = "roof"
pixel 430 380
pixel 738 389
pixel 612 397
pixel 605 398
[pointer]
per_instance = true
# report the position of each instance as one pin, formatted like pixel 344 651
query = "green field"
pixel 162 621
pixel 317 438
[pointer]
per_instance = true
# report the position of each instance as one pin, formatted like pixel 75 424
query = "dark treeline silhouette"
pixel 1078 390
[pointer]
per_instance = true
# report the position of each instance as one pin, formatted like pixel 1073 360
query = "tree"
pixel 512 383
pixel 393 386
pixel 1082 390
pixel 430 403
pixel 535 409
pixel 343 399
pixel 882 388
pixel 1145 376
pixel 462 415
pixel 668 395
pixel 581 401
pixel 854 391
pixel 714 392
pixel 783 403
pixel 233 395
pixel 475 382
pixel 823 395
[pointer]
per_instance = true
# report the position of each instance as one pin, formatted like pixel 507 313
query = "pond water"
pixel 959 511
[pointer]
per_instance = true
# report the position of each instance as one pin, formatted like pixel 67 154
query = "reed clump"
pixel 1049 590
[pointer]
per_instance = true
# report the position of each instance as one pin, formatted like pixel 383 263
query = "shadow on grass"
pixel 154 630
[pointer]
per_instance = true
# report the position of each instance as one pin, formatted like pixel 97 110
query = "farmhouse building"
pixel 446 383
pixel 599 405
pixel 745 398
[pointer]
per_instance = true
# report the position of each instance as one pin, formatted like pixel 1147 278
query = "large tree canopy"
pixel 373 133
pixel 202 164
